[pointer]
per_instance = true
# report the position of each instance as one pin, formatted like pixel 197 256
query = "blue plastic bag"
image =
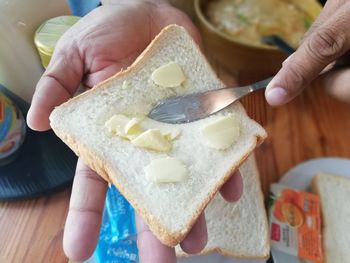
pixel 117 241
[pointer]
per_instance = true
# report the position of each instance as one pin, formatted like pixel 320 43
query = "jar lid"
pixel 47 35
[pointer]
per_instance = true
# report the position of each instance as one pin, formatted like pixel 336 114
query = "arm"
pixel 87 53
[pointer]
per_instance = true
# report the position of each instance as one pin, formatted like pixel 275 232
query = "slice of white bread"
pixel 240 229
pixel 334 192
pixel 171 209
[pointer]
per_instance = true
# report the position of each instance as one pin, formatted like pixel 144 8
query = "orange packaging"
pixel 295 223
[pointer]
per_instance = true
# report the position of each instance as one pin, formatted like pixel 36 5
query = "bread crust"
pixel 222 252
pixel 101 167
pixel 97 164
pixel 316 190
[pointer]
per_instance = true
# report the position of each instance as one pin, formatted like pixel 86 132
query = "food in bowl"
pixel 248 21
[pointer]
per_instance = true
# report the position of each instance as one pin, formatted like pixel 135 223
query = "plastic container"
pixel 20 67
pixel 47 35
pixel 12 130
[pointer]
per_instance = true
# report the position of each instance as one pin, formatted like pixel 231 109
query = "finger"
pixel 232 190
pixel 85 213
pixel 325 45
pixel 94 78
pixel 182 20
pixel 328 10
pixel 337 82
pixel 150 248
pixel 57 85
pixel 197 238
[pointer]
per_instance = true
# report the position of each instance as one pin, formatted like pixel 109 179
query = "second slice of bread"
pixel 238 230
pixel 171 209
pixel 334 192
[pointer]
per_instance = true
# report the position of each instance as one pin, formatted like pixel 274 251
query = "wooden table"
pixel 313 125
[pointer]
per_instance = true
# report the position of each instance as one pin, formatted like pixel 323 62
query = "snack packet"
pixel 295 223
pixel 117 241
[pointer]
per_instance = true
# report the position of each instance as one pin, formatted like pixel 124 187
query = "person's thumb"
pixel 322 47
pixel 58 84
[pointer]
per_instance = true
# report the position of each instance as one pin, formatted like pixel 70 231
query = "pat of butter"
pixel 133 126
pixel 169 131
pixel 169 75
pixel 170 134
pixel 222 132
pixel 166 170
pixel 116 124
pixel 123 126
pixel 152 139
pixel 143 132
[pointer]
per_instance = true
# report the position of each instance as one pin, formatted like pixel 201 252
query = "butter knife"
pixel 188 108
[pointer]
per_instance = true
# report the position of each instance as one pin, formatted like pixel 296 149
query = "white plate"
pixel 216 258
pixel 212 258
pixel 300 177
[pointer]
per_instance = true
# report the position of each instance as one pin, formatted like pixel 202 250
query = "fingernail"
pixel 276 96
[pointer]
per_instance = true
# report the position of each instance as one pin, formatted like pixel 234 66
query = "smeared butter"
pixel 143 132
pixel 168 75
pixel 166 170
pixel 153 140
pixel 222 132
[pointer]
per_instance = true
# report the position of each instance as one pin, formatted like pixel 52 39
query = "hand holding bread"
pixel 101 44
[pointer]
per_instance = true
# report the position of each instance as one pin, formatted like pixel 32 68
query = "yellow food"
pixel 170 132
pixel 249 20
pixel 152 140
pixel 222 132
pixel 116 124
pixel 166 170
pixel 133 126
pixel 169 75
pixel 143 132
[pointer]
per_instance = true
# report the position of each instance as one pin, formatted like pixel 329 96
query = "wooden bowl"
pixel 242 57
